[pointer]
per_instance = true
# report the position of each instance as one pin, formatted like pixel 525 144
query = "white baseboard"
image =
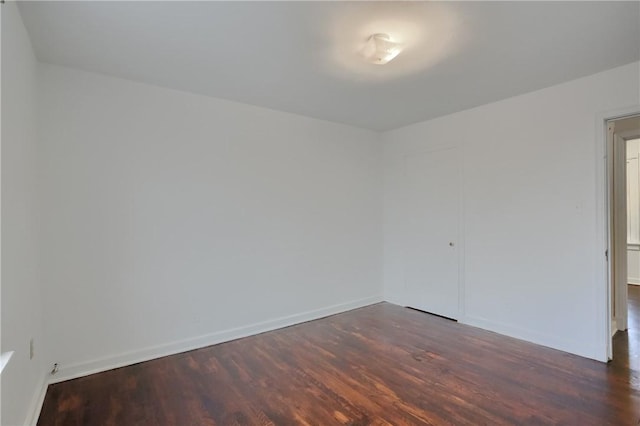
pixel 394 298
pixel 633 281
pixel 36 402
pixel 73 371
pixel 120 360
pixel 549 341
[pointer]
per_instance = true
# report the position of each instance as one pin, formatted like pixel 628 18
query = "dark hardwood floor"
pixel 626 345
pixel 379 365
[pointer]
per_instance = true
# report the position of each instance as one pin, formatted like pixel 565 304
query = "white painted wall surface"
pixel 170 217
pixel 21 308
pixel 529 223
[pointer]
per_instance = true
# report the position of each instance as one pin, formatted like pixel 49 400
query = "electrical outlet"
pixel 31 352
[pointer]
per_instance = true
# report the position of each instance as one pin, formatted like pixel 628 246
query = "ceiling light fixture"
pixel 380 49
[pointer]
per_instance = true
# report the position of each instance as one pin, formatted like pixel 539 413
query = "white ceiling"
pixel 303 57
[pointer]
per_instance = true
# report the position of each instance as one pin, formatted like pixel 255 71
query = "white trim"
pixel 602 288
pixel 394 298
pixel 145 354
pixel 462 234
pixel 36 402
pixel 4 359
pixel 530 336
pixel 634 282
pixel 620 249
pixel 150 353
pixel 630 135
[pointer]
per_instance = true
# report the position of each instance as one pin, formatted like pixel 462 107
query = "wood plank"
pixel 379 365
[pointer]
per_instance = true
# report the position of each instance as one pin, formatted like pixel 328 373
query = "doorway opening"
pixel 623 175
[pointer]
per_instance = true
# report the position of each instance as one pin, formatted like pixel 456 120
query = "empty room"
pixel 319 213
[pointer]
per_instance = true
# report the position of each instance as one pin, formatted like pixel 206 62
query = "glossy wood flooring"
pixel 626 345
pixel 378 365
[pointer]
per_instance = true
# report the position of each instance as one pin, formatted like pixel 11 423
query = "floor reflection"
pixel 626 345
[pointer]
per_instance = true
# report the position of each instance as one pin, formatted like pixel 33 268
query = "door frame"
pixel 621 301
pixel 618 269
pixel 603 228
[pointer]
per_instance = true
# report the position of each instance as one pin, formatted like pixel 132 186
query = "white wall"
pixel 171 216
pixel 529 223
pixel 21 299
pixel 170 220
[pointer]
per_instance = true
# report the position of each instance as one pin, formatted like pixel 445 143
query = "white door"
pixel 432 232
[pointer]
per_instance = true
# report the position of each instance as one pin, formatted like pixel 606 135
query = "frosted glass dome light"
pixel 380 49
